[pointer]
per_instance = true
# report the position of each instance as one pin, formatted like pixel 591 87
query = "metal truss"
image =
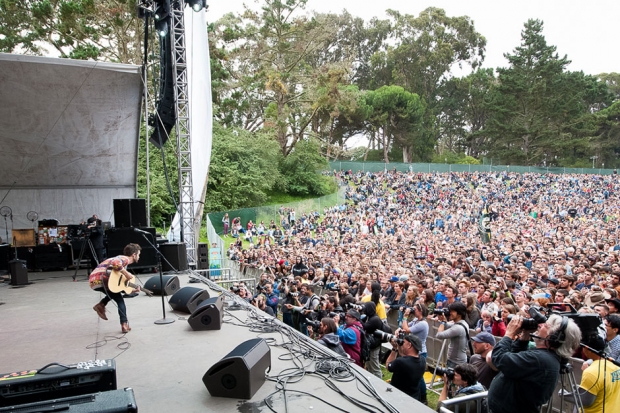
pixel 184 147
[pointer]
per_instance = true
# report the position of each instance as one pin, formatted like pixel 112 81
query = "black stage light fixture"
pixel 197 5
pixel 162 9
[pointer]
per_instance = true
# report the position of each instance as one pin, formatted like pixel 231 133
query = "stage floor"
pixel 52 320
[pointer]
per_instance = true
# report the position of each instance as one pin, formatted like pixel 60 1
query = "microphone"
pixel 141 231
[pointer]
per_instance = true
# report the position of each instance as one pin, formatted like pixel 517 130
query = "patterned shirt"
pixel 100 274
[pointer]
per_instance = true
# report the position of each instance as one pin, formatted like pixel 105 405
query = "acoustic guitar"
pixel 117 282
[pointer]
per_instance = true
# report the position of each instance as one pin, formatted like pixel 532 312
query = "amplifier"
pixel 113 401
pixel 57 381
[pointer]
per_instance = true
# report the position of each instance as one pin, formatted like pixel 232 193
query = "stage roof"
pixel 69 135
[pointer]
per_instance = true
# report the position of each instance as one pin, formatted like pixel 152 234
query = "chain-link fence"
pixel 438 167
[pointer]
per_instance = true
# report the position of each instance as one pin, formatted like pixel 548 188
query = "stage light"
pixel 162 28
pixel 197 5
pixel 162 9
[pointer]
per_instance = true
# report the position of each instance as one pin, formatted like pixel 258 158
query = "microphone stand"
pixel 164 320
pixel 601 354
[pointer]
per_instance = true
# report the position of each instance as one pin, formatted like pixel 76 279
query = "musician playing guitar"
pixel 99 282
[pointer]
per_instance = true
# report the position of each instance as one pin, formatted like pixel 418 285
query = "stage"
pixel 52 320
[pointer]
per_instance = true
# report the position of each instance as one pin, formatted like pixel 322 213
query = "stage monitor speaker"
pixel 187 299
pixel 113 401
pixel 19 272
pixel 129 213
pixel 208 315
pixel 171 284
pixel 241 372
pixel 176 254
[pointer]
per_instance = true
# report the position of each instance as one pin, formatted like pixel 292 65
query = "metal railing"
pixel 463 403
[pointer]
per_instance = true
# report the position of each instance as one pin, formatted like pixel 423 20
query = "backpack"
pixel 471 350
pixel 364 345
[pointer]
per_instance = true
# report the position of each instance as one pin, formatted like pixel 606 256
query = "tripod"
pixel 567 377
pixel 86 241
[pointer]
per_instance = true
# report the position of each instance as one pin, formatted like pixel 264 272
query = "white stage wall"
pixel 68 137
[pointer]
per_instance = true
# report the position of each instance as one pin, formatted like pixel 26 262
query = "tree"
pixel 243 168
pixel 266 60
pixel 419 55
pixel 395 117
pixel 462 108
pixel 540 111
pixel 340 107
pixel 301 170
pixel 106 30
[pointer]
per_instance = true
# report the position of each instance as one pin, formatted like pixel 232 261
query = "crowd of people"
pixel 411 244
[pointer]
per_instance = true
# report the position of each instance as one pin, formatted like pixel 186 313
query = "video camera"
pixel 531 324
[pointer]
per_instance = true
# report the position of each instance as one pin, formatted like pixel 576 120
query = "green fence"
pixel 438 167
pixel 272 212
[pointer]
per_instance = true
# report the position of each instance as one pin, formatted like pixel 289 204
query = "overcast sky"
pixel 585 31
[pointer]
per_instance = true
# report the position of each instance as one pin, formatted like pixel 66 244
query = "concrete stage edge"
pixel 52 320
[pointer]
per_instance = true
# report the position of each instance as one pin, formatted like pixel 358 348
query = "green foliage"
pixel 162 203
pixel 243 168
pixel 455 158
pixel 301 170
pixel 541 113
pixel 77 29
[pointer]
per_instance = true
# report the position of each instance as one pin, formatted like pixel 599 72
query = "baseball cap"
pixel 554 281
pixel 415 341
pixel 355 314
pixel 484 337
pixel 394 279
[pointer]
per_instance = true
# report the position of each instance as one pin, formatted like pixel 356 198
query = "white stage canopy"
pixel 69 136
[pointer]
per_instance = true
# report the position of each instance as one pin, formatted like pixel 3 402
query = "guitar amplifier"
pixel 56 382
pixel 113 401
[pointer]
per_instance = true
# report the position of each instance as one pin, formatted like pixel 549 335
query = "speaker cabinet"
pixel 171 285
pixel 203 263
pixel 118 238
pixel 187 299
pixel 241 372
pixel 129 213
pixel 208 315
pixel 203 249
pixel 19 272
pixel 176 254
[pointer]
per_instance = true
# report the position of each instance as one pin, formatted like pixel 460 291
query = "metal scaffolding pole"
pixel 181 98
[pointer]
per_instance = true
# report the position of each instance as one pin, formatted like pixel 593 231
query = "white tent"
pixel 68 137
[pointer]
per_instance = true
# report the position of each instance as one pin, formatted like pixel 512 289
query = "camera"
pixel 531 324
pixel 447 371
pixel 235 289
pixel 386 337
pixel 339 314
pixel 355 307
pixel 442 311
pixel 315 324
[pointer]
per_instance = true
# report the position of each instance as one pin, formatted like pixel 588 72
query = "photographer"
pixel 96 238
pixel 329 304
pixel 311 304
pixel 290 295
pixel 350 335
pixel 260 302
pixel 457 332
pixel 406 365
pixel 465 378
pixel 419 328
pixel 371 324
pixel 328 336
pixel 527 378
